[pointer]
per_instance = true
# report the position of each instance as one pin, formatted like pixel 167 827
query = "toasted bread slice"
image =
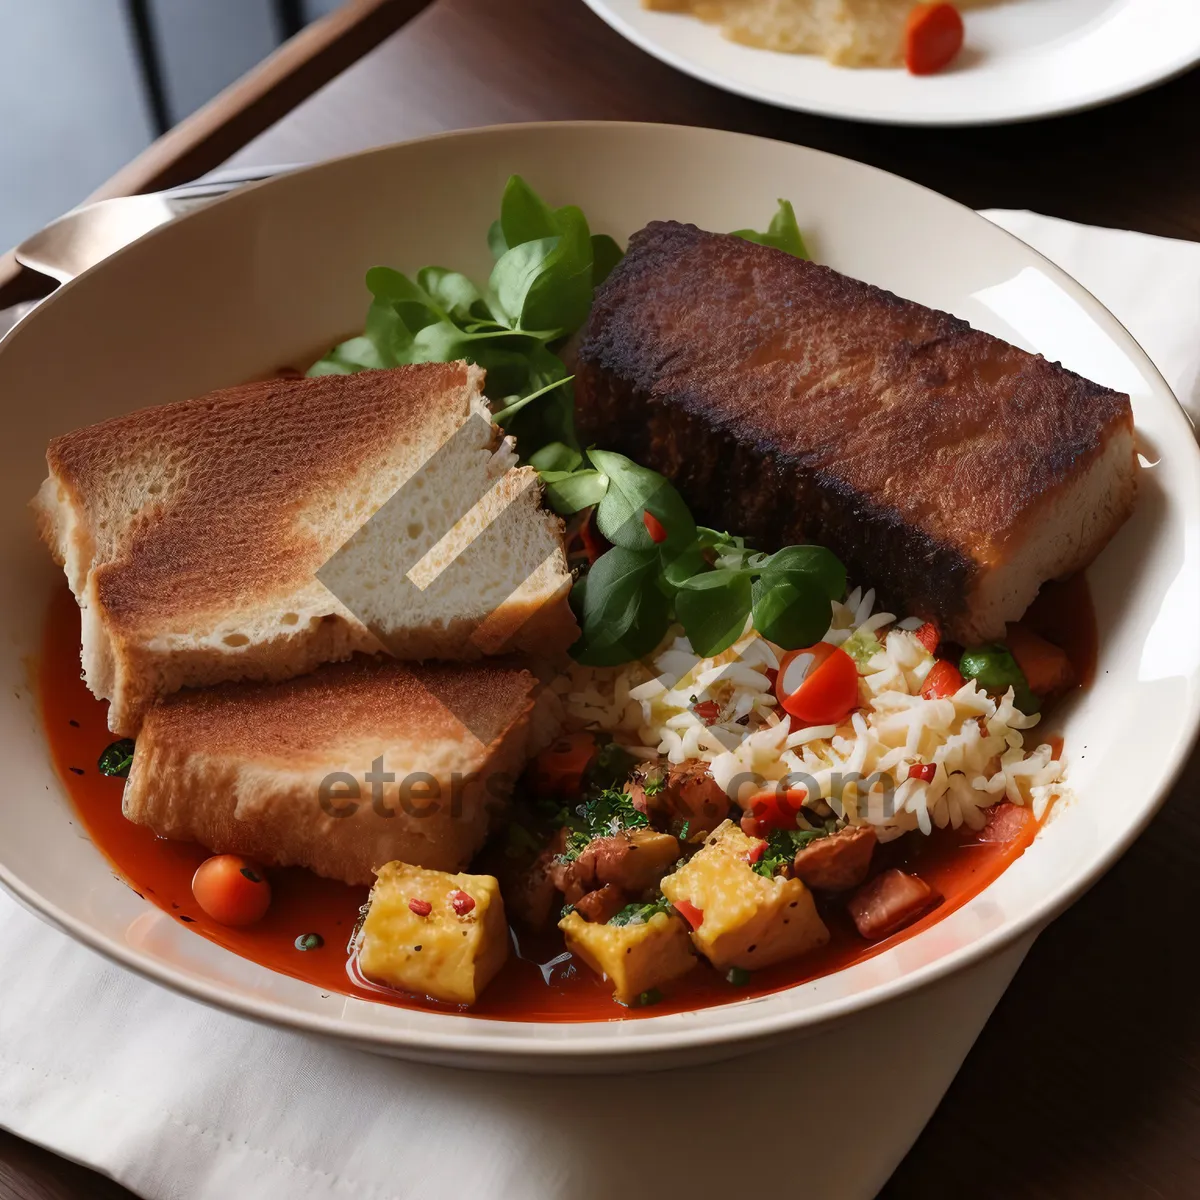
pixel 355 765
pixel 260 531
pixel 789 403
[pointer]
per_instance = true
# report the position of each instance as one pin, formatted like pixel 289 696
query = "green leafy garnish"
pixel 994 669
pixel 309 941
pixel 639 914
pixel 738 976
pixel 539 292
pixel 651 996
pixel 782 845
pixel 117 759
pixel 604 813
pixel 653 784
pixel 783 233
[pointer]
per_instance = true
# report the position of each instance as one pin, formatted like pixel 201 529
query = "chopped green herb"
pixel 782 845
pixel 653 784
pixel 566 911
pixel 609 812
pixel 251 874
pixel 685 831
pixel 738 976
pixel 639 914
pixel 309 941
pixel 117 759
pixel 652 996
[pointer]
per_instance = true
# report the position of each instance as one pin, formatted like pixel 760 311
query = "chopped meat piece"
pixel 838 862
pixel 679 792
pixel 956 472
pixel 634 861
pixel 601 904
pixel 889 902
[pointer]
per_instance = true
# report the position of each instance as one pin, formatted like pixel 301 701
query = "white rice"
pixel 857 770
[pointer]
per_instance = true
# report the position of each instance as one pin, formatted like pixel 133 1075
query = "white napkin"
pixel 178 1101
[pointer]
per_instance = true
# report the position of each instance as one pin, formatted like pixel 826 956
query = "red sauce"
pixel 958 864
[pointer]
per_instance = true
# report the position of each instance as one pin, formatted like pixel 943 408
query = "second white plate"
pixel 1024 59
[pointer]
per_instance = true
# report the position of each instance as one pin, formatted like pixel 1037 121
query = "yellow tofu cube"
pixel 433 933
pixel 635 958
pixel 745 919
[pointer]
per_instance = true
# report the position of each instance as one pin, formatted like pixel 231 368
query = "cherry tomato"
pixel 818 685
pixel 772 809
pixel 558 770
pixel 232 890
pixel 943 680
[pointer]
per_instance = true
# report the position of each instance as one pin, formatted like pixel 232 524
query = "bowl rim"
pixel 456 1037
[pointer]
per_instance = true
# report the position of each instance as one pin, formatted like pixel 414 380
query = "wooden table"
pixel 1086 1081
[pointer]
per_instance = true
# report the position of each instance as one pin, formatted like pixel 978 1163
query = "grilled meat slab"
pixel 790 403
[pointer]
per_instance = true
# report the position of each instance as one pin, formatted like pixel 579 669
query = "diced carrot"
pixel 1046 668
pixel 933 36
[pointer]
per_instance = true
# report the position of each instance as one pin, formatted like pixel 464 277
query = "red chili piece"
pixel 708 711
pixel 654 527
pixel 756 852
pixel 421 907
pixel 462 903
pixel 929 637
pixel 923 771
pixel 690 913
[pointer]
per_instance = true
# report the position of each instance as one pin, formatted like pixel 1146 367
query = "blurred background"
pixel 87 84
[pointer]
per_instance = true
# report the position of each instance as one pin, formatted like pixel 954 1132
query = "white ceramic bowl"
pixel 1023 60
pixel 263 277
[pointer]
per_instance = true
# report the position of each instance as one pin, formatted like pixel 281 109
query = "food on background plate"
pixel 951 470
pixel 752 772
pixel 353 766
pixel 849 33
pixel 192 534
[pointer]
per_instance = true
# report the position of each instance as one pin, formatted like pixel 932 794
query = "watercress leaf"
pixel 714 618
pixel 387 331
pixel 783 233
pixel 569 491
pixel 680 566
pixel 516 272
pixel 561 295
pixel 790 612
pixel 605 255
pixel 706 581
pixel 636 490
pixel 554 456
pixel 454 294
pixel 524 215
pixel 357 354
pixel 506 414
pixel 623 614
pixel 496 243
pixel 816 562
pixel 415 307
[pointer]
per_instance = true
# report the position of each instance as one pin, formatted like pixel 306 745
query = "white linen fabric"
pixel 181 1102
